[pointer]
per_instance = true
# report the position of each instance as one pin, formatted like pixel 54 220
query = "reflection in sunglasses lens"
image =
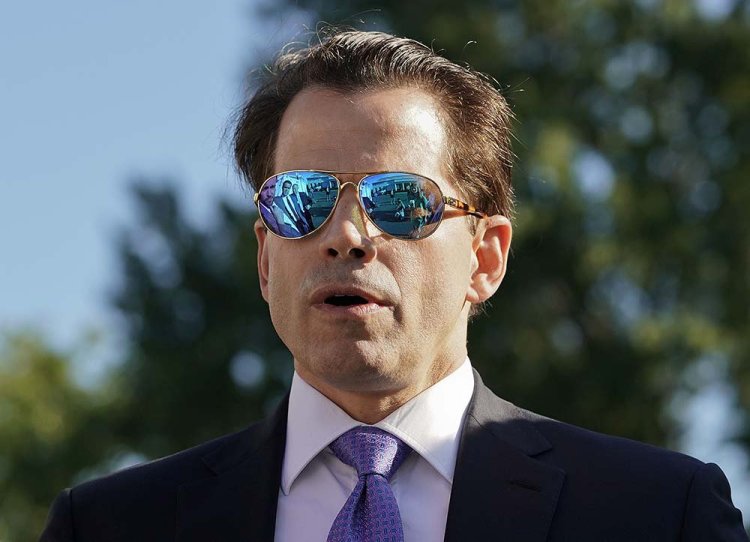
pixel 403 205
pixel 296 203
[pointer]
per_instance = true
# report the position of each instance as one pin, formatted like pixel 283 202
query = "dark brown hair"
pixel 477 116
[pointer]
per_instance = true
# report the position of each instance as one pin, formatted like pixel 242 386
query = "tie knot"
pixel 371 451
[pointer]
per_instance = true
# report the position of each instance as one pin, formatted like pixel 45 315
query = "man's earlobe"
pixel 491 246
pixel 261 234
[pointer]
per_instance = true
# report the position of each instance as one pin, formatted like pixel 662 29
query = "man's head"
pixel 365 314
pixel 268 192
pixel 286 188
pixel 476 117
pixel 294 189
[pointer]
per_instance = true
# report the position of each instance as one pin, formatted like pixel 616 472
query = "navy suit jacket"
pixel 519 477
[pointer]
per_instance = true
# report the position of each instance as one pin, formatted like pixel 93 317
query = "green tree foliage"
pixel 51 431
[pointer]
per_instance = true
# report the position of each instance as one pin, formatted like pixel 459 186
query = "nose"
pixel 348 234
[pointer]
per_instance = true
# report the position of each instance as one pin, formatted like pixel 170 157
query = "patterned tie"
pixel 371 512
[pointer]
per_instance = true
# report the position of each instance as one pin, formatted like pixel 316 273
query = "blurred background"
pixel 131 324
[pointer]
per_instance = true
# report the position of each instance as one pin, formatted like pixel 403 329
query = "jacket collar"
pixel 500 486
pixel 239 502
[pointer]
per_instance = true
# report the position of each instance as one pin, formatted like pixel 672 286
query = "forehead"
pixel 373 130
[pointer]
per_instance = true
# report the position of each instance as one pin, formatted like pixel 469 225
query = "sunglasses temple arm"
pixel 468 209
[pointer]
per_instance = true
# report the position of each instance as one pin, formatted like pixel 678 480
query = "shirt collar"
pixel 429 423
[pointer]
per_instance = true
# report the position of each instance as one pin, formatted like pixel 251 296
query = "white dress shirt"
pixel 315 484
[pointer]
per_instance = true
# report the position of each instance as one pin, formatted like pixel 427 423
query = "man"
pixel 303 204
pixel 293 223
pixel 387 433
pixel 271 214
pixel 366 196
pixel 400 210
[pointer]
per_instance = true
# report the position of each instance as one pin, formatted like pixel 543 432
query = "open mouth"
pixel 345 300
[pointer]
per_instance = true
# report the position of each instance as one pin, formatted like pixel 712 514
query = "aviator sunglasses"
pixel 402 205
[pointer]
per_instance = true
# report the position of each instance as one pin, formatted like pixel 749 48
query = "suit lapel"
pixel 239 501
pixel 499 488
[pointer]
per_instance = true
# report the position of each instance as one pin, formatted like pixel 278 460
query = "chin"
pixel 354 369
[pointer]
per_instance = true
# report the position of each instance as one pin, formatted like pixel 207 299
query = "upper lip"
pixel 322 293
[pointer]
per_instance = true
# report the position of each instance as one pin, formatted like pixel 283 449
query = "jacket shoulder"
pixel 569 446
pixel 615 487
pixel 120 505
pixel 571 440
pixel 168 471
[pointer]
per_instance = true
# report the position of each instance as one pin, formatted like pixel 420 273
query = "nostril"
pixel 357 252
pixel 333 252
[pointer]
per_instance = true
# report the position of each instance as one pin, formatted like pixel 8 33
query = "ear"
pixel 491 245
pixel 261 234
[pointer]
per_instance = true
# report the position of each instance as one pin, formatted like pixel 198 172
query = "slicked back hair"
pixel 476 115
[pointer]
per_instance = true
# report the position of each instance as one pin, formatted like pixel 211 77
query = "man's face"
pixel 294 189
pixel 360 311
pixel 285 188
pixel 266 192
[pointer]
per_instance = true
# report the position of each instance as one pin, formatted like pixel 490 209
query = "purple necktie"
pixel 370 513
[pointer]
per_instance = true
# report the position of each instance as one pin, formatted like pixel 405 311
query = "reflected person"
pixel 291 218
pixel 303 204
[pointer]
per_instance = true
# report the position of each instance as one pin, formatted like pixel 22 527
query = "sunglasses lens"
pixel 295 203
pixel 403 205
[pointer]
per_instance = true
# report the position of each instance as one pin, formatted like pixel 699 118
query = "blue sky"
pixel 95 93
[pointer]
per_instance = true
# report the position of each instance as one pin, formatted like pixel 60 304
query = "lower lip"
pixel 349 311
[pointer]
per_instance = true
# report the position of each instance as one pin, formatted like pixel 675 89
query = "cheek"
pixel 283 279
pixel 448 286
pixel 282 303
pixel 434 283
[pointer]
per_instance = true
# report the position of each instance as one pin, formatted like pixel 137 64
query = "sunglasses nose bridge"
pixel 340 200
pixel 355 185
pixel 351 207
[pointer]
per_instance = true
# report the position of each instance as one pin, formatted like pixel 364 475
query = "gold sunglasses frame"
pixel 447 200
